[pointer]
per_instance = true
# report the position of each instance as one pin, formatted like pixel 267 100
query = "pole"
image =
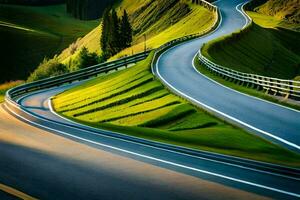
pixel 145 45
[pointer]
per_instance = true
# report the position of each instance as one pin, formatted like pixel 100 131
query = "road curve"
pixel 243 179
pixel 47 166
pixel 175 68
pixel 95 164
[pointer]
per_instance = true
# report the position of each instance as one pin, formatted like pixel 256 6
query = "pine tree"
pixel 115 33
pixel 126 31
pixel 105 32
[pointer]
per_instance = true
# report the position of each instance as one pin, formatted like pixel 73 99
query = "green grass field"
pixel 133 102
pixel 28 34
pixel 268 52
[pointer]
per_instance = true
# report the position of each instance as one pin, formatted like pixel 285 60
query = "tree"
pixel 116 33
pixel 48 68
pixel 87 9
pixel 115 42
pixel 86 59
pixel 105 32
pixel 126 31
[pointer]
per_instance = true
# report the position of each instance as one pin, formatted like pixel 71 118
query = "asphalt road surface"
pixel 241 180
pixel 59 159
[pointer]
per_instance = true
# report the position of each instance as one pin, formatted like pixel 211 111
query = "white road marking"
pixel 160 160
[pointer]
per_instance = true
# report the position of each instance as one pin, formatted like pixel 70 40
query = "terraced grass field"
pixel 133 102
pixel 28 34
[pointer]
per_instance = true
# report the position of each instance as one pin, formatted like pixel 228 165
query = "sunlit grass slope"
pixel 269 52
pixel 132 101
pixel 197 20
pixel 160 20
pixel 267 21
pixel 281 9
pixel 28 34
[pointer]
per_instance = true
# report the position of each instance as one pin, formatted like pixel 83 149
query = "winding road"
pixel 175 68
pixel 49 157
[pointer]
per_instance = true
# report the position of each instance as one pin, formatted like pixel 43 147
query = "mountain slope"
pixel 282 9
pixel 160 24
pixel 29 33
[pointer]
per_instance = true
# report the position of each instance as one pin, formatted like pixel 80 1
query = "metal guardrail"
pixel 287 88
pixel 275 86
pixel 74 76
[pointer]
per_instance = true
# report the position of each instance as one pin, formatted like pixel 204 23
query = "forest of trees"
pixel 116 33
pixel 87 9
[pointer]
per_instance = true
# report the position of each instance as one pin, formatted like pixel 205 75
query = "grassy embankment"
pixel 133 102
pixel 268 48
pixel 28 34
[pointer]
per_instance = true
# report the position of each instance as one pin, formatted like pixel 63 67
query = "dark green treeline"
pixel 87 9
pixel 116 33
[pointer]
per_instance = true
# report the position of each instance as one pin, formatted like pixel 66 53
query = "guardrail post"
pixel 268 87
pixel 290 92
pixel 248 81
pixel 259 87
pixel 125 63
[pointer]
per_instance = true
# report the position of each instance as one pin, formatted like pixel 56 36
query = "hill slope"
pixel 269 52
pixel 281 9
pixel 268 48
pixel 28 34
pixel 160 24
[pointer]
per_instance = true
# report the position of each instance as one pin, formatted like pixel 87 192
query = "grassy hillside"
pixel 270 47
pixel 269 52
pixel 132 101
pixel 160 24
pixel 28 34
pixel 281 9
pixel 267 21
